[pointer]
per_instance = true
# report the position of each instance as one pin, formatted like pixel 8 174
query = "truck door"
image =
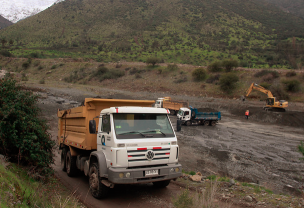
pixel 104 139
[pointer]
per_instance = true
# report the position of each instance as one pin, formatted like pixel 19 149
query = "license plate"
pixel 151 172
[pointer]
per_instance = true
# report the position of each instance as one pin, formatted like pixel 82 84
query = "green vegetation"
pixel 215 66
pixel 152 60
pixel 229 64
pixel 228 82
pixel 301 149
pixel 292 85
pixel 24 136
pixel 199 74
pixel 20 190
pixel 252 33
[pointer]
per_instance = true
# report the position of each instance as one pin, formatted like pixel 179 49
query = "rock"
pixel 196 178
pixel 292 190
pixel 231 182
pixel 48 72
pixel 248 198
pixel 199 173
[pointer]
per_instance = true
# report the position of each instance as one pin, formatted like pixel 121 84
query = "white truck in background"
pixel 118 145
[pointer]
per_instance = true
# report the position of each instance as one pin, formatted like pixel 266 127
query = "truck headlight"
pixel 128 175
pixel 121 175
pixel 176 169
pixel 172 170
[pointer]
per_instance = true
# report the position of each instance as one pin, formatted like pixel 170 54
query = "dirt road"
pixel 262 149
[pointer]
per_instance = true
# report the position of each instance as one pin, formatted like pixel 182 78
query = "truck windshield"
pixel 180 112
pixel 142 125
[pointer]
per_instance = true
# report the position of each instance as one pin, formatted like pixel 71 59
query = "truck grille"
pixel 148 155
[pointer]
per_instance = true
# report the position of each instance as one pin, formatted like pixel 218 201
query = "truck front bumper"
pixel 138 175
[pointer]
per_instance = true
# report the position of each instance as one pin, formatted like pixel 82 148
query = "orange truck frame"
pixel 118 142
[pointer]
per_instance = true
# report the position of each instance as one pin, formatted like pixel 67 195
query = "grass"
pixel 20 190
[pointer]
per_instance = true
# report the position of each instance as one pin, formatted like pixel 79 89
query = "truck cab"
pixel 135 145
pixel 159 103
pixel 184 114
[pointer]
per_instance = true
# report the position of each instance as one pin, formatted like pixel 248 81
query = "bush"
pixel 265 85
pixel 36 63
pixel 152 60
pixel 42 81
pixel 40 67
pixel 292 85
pixel 291 74
pixel 25 65
pixel 103 73
pixel 229 64
pixel 138 76
pixel 54 67
pixel 24 77
pixel 181 79
pixel 5 53
pixel 213 78
pixel 23 136
pixel 34 55
pixel 172 67
pixel 199 74
pixel 215 67
pixel 228 82
pixel 278 92
pixel 76 76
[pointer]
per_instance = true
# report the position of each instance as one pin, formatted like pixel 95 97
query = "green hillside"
pixel 181 31
pixel 295 6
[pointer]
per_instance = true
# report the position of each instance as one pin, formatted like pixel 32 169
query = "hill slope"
pixel 4 22
pixel 176 30
pixel 295 6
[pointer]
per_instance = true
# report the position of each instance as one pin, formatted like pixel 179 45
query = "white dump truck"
pixel 172 105
pixel 118 145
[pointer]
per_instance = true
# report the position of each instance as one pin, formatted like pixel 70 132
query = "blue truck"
pixel 190 116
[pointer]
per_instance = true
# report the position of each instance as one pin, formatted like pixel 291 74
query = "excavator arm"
pixel 259 88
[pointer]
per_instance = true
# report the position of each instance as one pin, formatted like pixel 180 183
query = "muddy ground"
pixel 262 149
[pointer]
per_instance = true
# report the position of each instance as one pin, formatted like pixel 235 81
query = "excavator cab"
pixel 270 101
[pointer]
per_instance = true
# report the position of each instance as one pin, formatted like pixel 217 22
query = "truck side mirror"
pixel 178 125
pixel 92 126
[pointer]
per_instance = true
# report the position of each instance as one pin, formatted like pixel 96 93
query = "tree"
pixel 228 82
pixel 24 136
pixel 199 74
pixel 152 60
pixel 3 41
pixel 229 64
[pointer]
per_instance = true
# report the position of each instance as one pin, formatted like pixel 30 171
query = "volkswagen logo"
pixel 150 155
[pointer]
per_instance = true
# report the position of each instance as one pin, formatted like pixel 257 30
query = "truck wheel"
pixel 98 190
pixel 161 184
pixel 63 159
pixel 206 123
pixel 213 123
pixel 71 167
pixel 188 123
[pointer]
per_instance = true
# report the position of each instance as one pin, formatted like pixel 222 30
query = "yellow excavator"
pixel 271 102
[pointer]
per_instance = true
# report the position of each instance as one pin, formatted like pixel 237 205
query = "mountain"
pixel 182 31
pixel 4 22
pixel 295 6
pixel 15 10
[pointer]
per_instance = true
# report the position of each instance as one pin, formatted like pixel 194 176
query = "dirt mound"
pixel 288 118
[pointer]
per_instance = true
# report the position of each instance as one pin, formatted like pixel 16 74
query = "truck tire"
pixel 63 159
pixel 71 167
pixel 161 184
pixel 206 123
pixel 188 123
pixel 213 123
pixel 97 189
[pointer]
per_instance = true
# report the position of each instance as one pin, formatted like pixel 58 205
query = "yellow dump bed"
pixel 174 105
pixel 73 124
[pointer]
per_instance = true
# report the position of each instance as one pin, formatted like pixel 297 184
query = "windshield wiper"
pixel 155 131
pixel 132 132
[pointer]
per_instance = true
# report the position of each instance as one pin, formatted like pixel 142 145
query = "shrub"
pixel 23 135
pixel 54 67
pixel 268 78
pixel 103 73
pixel 301 149
pixel 40 67
pixel 291 74
pixel 215 67
pixel 25 65
pixel 172 67
pixel 34 55
pixel 5 53
pixel 278 91
pixel 76 76
pixel 228 82
pixel 265 85
pixel 183 200
pixel 229 64
pixel 36 63
pixel 152 60
pixel 138 76
pixel 292 85
pixel 181 79
pixel 135 71
pixel 199 74
pixel 213 78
